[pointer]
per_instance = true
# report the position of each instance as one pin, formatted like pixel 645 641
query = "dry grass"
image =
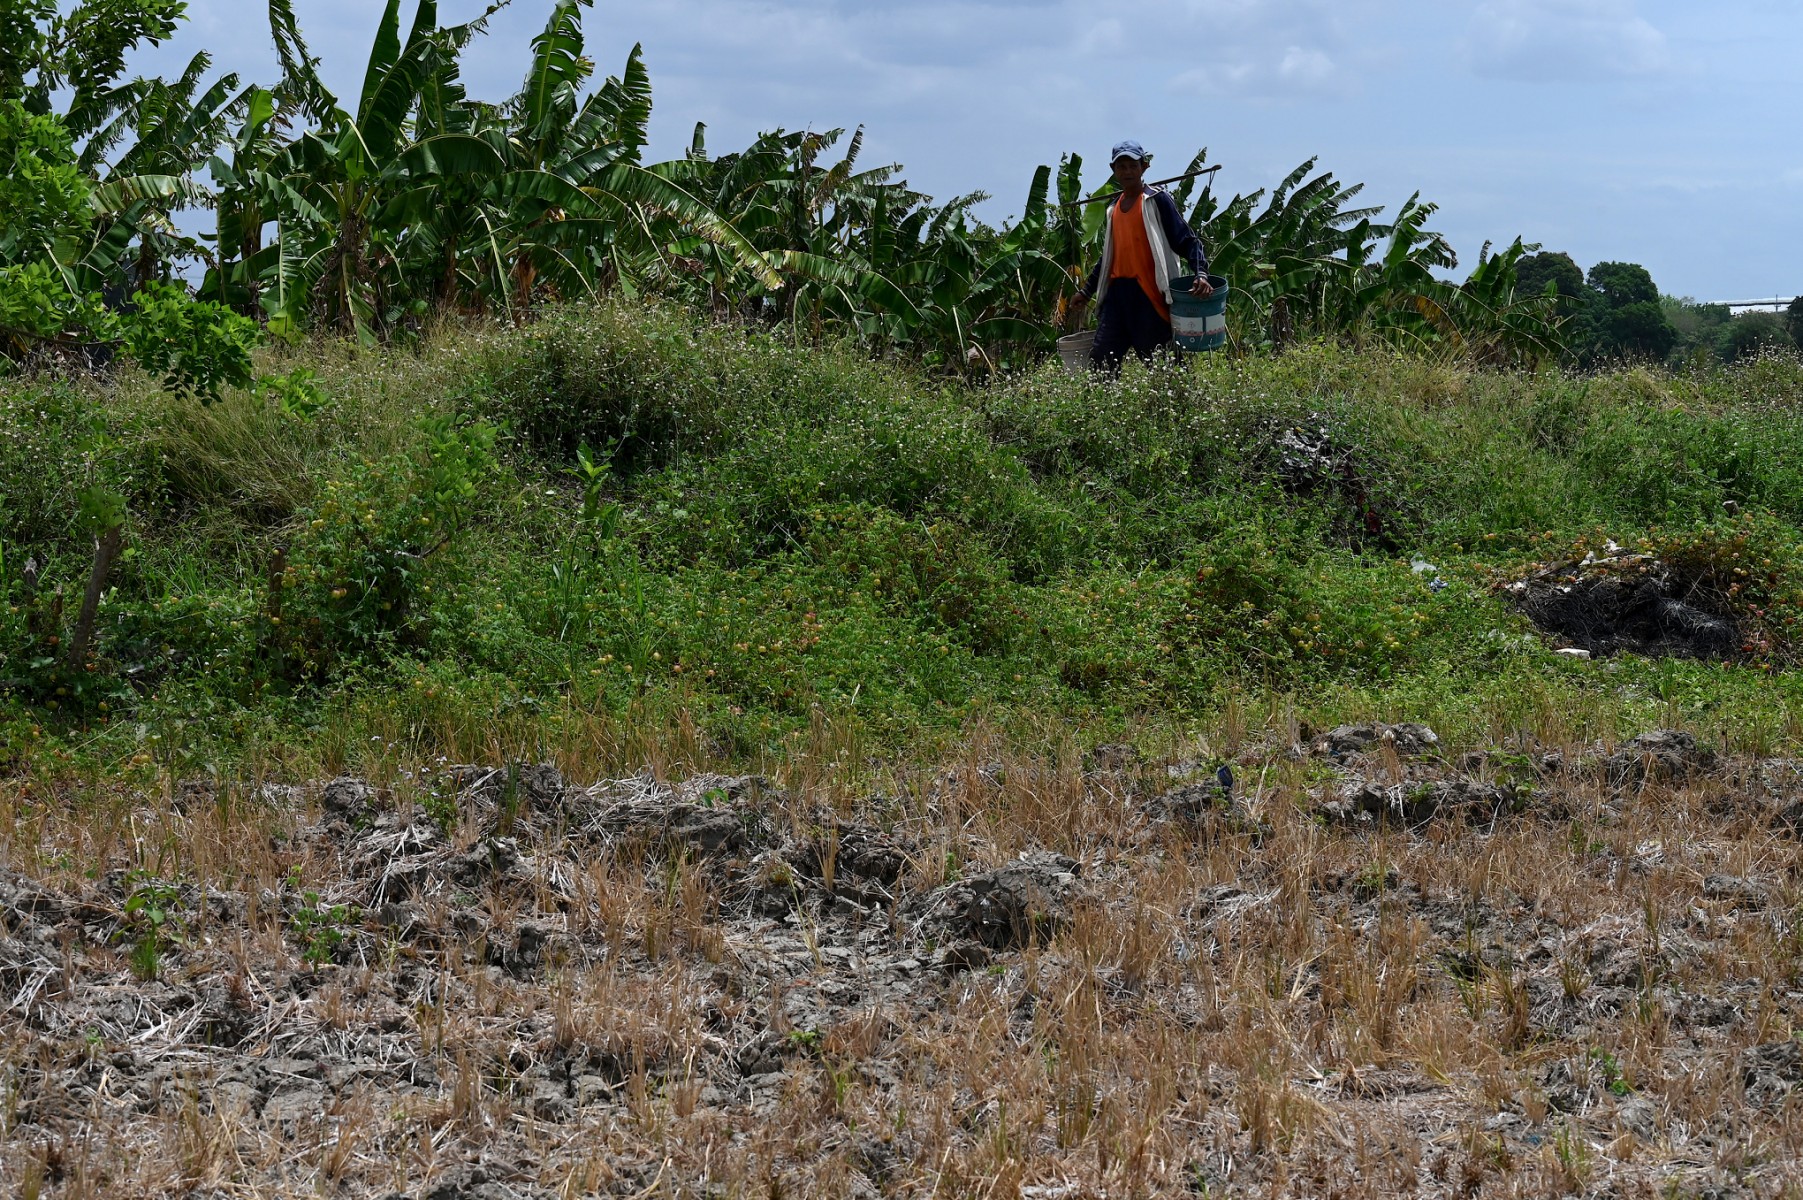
pixel 1596 995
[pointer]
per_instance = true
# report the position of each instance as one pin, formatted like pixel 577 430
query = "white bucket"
pixel 1074 348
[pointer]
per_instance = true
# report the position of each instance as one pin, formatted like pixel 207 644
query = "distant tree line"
pixel 1616 313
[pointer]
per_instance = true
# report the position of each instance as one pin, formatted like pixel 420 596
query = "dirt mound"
pixel 1406 739
pixel 1632 603
pixel 1771 1072
pixel 1661 755
pixel 1023 902
pixel 1191 804
pixel 1311 458
pixel 1418 803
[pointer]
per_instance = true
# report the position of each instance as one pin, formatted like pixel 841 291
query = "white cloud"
pixel 1267 50
pixel 1564 40
pixel 1305 67
pixel 1292 72
pixel 1106 37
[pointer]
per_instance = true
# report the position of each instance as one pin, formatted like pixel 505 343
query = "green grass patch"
pixel 622 514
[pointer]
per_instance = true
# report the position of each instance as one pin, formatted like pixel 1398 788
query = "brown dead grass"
pixel 1260 1005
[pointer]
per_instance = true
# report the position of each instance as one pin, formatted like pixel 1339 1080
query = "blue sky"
pixel 1650 131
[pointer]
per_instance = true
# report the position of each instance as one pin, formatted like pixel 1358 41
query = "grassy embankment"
pixel 805 540
pixel 909 604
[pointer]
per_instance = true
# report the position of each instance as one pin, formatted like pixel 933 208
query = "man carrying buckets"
pixel 1141 245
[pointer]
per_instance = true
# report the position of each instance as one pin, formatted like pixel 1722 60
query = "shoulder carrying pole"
pixel 1154 183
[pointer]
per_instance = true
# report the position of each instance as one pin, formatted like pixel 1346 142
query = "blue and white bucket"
pixel 1198 325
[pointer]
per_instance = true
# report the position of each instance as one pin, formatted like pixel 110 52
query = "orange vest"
pixel 1133 252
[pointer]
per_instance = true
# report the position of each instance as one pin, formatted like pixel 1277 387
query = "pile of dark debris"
pixel 1619 602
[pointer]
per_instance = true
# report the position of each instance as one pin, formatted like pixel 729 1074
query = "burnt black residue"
pixel 1651 612
pixel 1313 460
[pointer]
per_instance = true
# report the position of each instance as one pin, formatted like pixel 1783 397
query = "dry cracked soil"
pixel 1352 963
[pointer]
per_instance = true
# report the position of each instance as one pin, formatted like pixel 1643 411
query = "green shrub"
pixel 649 381
pixel 54 441
pixel 197 346
pixel 356 577
pixel 939 573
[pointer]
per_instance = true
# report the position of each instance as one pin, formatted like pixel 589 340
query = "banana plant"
pixel 1279 260
pixel 988 292
pixel 1506 327
pixel 350 216
pixel 174 127
pixel 254 193
pixel 864 254
pixel 582 211
pixel 355 162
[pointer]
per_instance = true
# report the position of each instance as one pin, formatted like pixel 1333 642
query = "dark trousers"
pixel 1127 321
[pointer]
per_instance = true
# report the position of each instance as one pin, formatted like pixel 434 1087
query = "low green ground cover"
pixel 622 514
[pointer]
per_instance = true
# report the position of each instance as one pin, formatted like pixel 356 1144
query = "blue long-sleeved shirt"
pixel 1182 238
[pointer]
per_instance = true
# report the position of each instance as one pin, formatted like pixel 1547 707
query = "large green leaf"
pixel 868 284
pixel 558 69
pixel 629 105
pixel 550 190
pixel 300 83
pixel 383 54
pixel 118 195
pixel 636 185
pixel 452 154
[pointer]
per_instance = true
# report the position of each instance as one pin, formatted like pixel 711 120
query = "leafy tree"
pixel 1752 334
pixel 44 218
pixel 1621 284
pixel 1555 272
pixel 1793 321
pixel 1638 330
pixel 1625 318
pixel 1536 273
pixel 43 52
pixel 1699 326
pixel 43 192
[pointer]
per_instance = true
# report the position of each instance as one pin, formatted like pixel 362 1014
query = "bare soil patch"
pixel 1368 966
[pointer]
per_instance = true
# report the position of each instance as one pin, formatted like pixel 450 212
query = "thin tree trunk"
pixel 1281 330
pixel 525 278
pixel 147 262
pixel 447 280
pixel 252 245
pixel 106 548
